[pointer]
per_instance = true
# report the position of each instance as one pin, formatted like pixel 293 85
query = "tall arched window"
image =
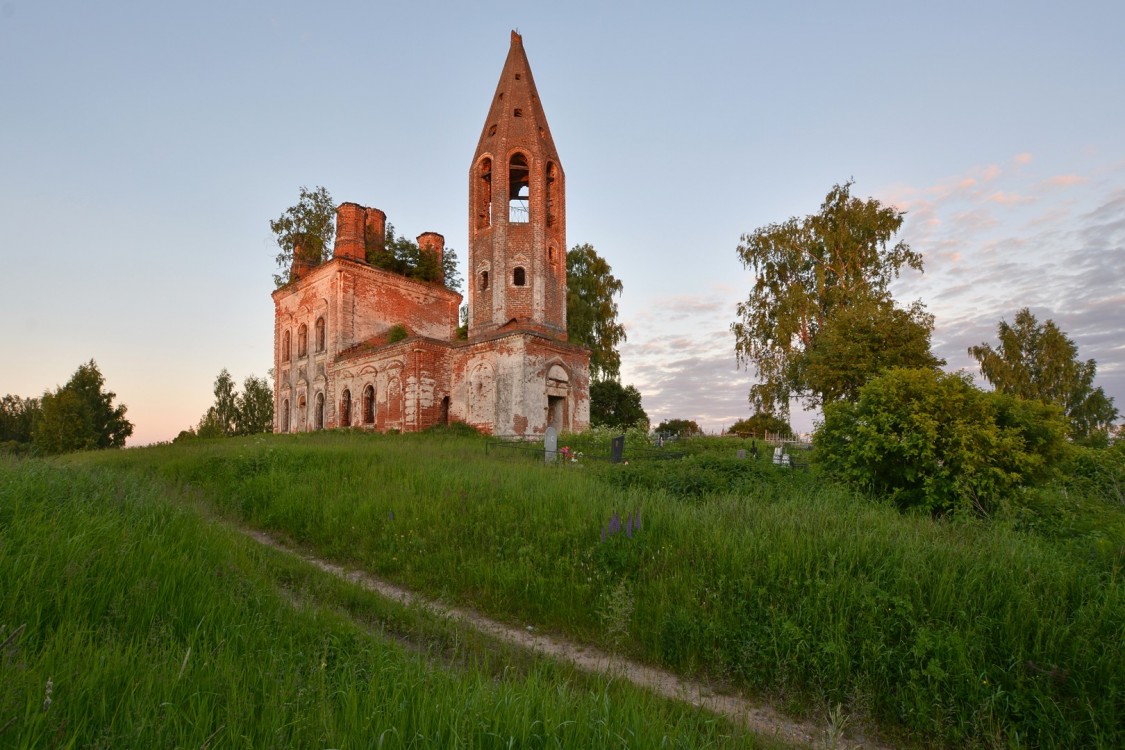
pixel 285 415
pixel 346 409
pixel 303 340
pixel 484 193
pixel 320 334
pixel 369 405
pixel 519 276
pixel 285 350
pixel 518 194
pixel 319 419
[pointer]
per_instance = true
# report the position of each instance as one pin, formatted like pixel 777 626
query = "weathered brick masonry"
pixel 334 362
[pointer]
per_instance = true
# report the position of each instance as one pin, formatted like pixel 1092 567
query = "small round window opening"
pixel 519 276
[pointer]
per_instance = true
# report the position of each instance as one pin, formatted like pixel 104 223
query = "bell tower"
pixel 517 213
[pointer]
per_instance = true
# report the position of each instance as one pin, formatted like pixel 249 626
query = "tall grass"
pixel 129 621
pixel 963 633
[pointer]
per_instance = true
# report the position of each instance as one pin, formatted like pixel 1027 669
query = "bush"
pixel 396 333
pixel 932 440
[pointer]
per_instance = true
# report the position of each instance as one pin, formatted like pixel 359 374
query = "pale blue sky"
pixel 145 146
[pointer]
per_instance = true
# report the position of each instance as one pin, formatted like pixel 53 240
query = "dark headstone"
pixel 617 449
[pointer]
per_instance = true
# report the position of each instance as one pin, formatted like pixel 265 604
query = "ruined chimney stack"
pixel 376 230
pixel 303 262
pixel 349 232
pixel 432 242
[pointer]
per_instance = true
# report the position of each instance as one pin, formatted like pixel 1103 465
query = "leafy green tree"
pixel 17 419
pixel 224 413
pixel 234 413
pixel 861 340
pixel 678 428
pixel 1038 361
pixel 254 407
pixel 932 440
pixel 614 405
pixel 760 425
pixel 81 416
pixel 311 225
pixel 591 312
pixel 807 270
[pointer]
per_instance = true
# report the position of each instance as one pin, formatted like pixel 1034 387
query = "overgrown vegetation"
pixel 130 621
pixel 931 440
pixel 991 633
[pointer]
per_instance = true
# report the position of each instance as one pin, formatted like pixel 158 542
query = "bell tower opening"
pixel 519 194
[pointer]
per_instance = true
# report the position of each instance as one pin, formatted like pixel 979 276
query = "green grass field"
pixel 777 583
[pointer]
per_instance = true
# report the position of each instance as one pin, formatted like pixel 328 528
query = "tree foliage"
pixel 932 440
pixel 17 421
pixel 760 425
pixel 591 312
pixel 80 416
pixel 403 256
pixel 861 340
pixel 233 413
pixel 678 428
pixel 808 270
pixel 254 407
pixel 614 405
pixel 1038 361
pixel 311 225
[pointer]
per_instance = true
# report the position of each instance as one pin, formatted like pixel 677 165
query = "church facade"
pixel 359 346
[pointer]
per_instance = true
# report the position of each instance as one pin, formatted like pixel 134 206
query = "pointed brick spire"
pixel 516 115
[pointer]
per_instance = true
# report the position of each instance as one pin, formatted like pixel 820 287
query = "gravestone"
pixel 742 454
pixel 617 449
pixel 550 445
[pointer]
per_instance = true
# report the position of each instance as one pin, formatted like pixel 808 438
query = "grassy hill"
pixel 156 625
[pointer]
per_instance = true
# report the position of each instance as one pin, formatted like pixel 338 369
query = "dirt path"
pixel 758 718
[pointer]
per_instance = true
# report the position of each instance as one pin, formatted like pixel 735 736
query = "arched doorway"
pixel 558 391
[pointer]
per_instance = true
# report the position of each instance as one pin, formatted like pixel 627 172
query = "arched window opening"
pixel 303 341
pixel 319 422
pixel 320 334
pixel 483 280
pixel 369 405
pixel 518 189
pixel 484 194
pixel 552 192
pixel 285 351
pixel 346 409
pixel 302 414
pixel 519 276
pixel 285 415
pixel 443 415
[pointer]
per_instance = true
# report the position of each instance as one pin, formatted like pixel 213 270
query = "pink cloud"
pixel 1021 159
pixel 1066 180
pixel 991 172
pixel 1008 199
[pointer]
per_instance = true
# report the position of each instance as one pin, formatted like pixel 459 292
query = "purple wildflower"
pixel 614 523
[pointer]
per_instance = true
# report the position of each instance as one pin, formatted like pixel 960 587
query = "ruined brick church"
pixel 359 346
